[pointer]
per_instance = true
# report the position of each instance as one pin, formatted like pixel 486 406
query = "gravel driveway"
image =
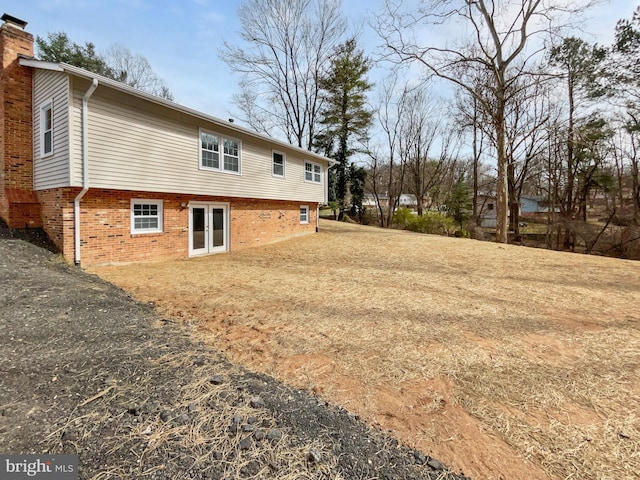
pixel 85 369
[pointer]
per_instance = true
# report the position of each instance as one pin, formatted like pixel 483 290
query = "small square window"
pixel 304 214
pixel 278 164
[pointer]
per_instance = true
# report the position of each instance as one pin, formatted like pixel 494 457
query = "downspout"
pixel 85 168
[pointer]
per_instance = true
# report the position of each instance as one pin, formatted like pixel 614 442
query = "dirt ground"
pixel 504 362
pixel 85 369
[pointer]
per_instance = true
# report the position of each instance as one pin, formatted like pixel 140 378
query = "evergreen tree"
pixel 459 205
pixel 120 63
pixel 357 176
pixel 345 117
pixel 59 48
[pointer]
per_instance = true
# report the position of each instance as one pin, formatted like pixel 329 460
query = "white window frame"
pixel 306 208
pixel 313 172
pixel 221 153
pixel 160 215
pixel 273 163
pixel 48 106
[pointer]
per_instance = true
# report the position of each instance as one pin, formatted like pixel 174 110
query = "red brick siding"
pixel 105 227
pixel 16 130
pixel 57 217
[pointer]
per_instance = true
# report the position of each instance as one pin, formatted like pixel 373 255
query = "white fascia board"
pixel 32 62
pixel 104 81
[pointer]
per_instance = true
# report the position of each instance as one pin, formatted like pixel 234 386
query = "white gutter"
pixel 85 168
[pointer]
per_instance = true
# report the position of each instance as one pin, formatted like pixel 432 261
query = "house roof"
pixel 82 73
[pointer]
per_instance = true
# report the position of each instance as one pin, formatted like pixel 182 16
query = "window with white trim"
pixel 211 145
pixel 312 172
pixel 278 164
pixel 304 214
pixel 146 216
pixel 46 129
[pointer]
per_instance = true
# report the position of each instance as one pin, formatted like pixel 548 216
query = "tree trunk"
pixel 569 234
pixel 502 187
pixel 514 203
pixel 635 179
pixel 476 155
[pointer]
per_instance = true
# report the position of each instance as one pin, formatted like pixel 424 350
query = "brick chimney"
pixel 19 205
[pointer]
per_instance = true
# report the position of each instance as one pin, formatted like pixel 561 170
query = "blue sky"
pixel 182 38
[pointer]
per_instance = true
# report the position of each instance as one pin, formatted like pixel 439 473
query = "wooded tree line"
pixel 535 111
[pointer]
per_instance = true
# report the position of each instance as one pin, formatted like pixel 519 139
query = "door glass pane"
pixel 198 228
pixel 218 226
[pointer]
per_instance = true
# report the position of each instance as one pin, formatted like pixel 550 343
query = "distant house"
pixel 529 204
pixel 113 174
pixel 486 207
pixel 406 200
pixel 532 204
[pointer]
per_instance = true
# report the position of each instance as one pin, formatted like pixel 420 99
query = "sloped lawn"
pixel 502 361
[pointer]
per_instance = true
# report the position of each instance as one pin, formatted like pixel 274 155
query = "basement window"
pixel 46 129
pixel 304 214
pixel 146 216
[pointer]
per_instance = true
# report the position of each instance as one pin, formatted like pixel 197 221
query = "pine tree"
pixel 345 116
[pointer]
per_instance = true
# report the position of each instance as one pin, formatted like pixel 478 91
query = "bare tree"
pixel 135 70
pixel 525 142
pixel 428 142
pixel 387 162
pixel 288 47
pixel 500 34
pixel 470 116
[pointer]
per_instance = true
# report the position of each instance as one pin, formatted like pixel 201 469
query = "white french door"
pixel 208 228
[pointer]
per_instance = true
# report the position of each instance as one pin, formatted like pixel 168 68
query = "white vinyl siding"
pixel 146 216
pixel 51 168
pixel 137 145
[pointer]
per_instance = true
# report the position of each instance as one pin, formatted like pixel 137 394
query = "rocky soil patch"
pixel 85 369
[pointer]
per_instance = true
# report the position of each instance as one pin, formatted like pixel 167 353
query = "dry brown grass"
pixel 502 361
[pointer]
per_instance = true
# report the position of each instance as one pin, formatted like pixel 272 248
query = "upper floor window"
pixel 213 146
pixel 146 216
pixel 46 129
pixel 312 172
pixel 278 164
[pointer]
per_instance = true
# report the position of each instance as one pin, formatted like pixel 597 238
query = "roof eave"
pixel 80 72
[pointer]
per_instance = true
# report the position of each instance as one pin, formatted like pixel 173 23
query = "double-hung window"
pixel 312 172
pixel 213 146
pixel 278 164
pixel 46 129
pixel 304 214
pixel 209 151
pixel 146 216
